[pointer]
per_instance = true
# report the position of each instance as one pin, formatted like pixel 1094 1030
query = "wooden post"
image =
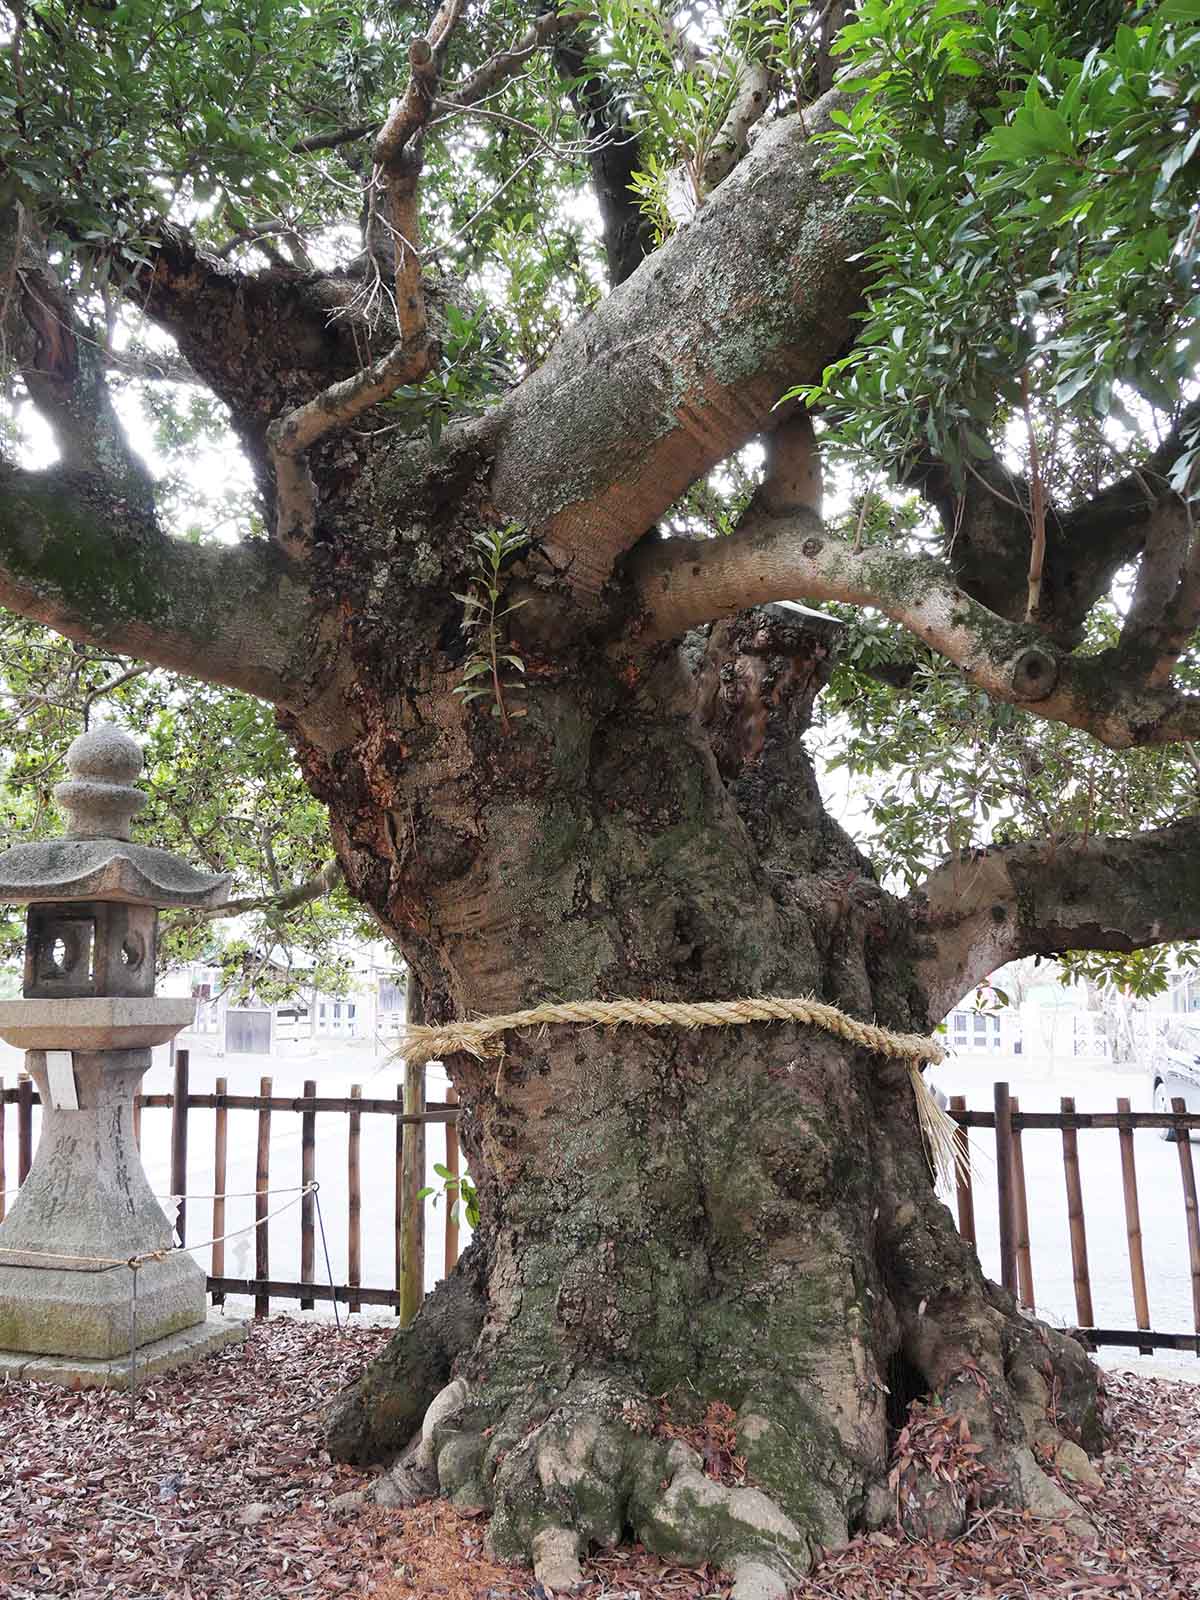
pixel 1191 1211
pixel 262 1202
pixel 1004 1187
pixel 308 1206
pixel 453 1167
pixel 354 1241
pixel 1079 1256
pixel 962 1174
pixel 1021 1218
pixel 412 1284
pixel 412 1221
pixel 179 1113
pixel 24 1126
pixel 220 1142
pixel 398 1197
pixel 1133 1223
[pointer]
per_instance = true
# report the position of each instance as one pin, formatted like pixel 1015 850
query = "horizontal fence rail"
pixel 408 1111
pixel 411 1115
pixel 1008 1122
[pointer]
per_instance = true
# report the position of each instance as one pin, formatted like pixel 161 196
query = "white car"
pixel 1176 1066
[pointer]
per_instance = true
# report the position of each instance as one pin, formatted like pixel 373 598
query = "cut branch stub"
pixel 1034 674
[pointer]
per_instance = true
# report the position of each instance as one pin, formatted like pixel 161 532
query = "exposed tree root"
pixel 376 1417
pixel 599 1462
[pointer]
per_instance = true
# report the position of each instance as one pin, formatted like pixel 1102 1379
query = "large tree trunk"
pixel 673 1221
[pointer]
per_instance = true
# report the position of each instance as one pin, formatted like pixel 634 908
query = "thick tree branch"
pixel 260 341
pixel 680 583
pixel 614 157
pixel 985 907
pixel 988 536
pixel 1165 608
pixel 76 555
pixel 685 361
pixel 792 478
pixel 137 361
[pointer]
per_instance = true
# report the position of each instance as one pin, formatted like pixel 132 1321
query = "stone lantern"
pixel 87 1023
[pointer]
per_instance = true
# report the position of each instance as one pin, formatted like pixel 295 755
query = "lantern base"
pixel 163 1355
pixel 91 1314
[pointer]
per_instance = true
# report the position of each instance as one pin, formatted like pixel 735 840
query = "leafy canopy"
pixel 1035 293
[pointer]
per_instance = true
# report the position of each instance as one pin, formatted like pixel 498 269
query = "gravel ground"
pixel 214 1488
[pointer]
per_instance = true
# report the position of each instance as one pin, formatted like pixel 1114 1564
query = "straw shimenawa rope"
pixel 483 1038
pixel 427 1043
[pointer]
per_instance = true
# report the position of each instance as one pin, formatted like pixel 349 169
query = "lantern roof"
pixel 97 860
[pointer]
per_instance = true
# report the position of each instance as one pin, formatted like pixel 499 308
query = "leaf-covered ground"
pixel 214 1489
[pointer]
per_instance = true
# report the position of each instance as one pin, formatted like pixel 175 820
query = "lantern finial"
pixel 99 800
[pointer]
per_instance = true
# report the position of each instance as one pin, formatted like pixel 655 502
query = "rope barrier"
pixel 51 1261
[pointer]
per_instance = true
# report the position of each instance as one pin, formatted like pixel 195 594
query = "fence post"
pixel 398 1198
pixel 962 1173
pixel 1188 1174
pixel 452 1167
pixel 354 1241
pixel 220 1142
pixel 262 1203
pixel 24 1126
pixel 1021 1216
pixel 1004 1187
pixel 308 1206
pixel 1133 1225
pixel 179 1114
pixel 1079 1255
pixel 412 1282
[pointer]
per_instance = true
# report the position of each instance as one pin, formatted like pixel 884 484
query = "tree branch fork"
pixel 1114 695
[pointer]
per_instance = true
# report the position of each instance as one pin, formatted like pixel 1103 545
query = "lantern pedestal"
pixel 87 1197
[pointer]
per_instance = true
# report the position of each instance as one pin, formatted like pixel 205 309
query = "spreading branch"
pixel 613 156
pixel 318 887
pixel 77 555
pixel 399 157
pixel 685 361
pixel 496 70
pixel 260 341
pixel 507 63
pixel 985 907
pixel 61 365
pixel 988 524
pixel 680 583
